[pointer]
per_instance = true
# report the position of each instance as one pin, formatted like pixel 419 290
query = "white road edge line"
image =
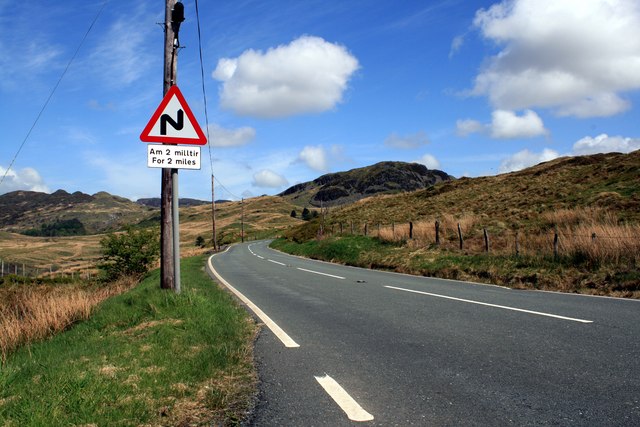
pixel 317 272
pixel 493 305
pixel 354 411
pixel 277 330
pixel 276 262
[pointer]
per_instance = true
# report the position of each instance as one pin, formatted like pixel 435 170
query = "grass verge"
pixel 145 357
pixel 567 274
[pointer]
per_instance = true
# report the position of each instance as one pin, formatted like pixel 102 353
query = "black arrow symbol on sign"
pixel 165 118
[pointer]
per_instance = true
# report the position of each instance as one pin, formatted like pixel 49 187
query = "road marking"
pixel 278 332
pixel 276 262
pixel 317 272
pixel 261 257
pixel 493 305
pixel 353 410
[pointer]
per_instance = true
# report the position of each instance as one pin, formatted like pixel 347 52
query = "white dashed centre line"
pixel 354 411
pixel 324 274
pixel 276 262
pixel 504 307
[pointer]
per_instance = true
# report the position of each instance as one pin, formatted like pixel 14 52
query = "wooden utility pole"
pixel 213 213
pixel 167 261
pixel 242 220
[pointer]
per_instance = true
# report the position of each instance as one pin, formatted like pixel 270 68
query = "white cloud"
pixel 505 125
pixel 456 44
pixel 315 157
pixel 525 158
pixel 27 179
pixel 508 125
pixel 221 137
pixel 468 126
pixel 429 161
pixel 309 75
pixel 407 142
pixel 122 57
pixel 576 57
pixel 605 144
pixel 268 178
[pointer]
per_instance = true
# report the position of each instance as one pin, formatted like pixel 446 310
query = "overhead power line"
pixel 64 72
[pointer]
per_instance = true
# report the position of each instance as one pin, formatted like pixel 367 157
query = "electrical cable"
pixel 55 87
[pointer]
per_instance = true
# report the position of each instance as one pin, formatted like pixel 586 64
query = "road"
pixel 355 346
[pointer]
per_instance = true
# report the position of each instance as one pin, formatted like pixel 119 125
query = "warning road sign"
pixel 173 122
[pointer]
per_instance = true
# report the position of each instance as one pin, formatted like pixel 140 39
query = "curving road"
pixel 346 346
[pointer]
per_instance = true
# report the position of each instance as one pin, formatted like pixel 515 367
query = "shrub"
pixel 131 253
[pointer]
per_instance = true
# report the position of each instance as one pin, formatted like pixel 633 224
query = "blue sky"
pixel 296 89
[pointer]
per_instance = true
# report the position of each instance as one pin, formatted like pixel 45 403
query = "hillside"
pixel 154 202
pixel 347 187
pixel 610 181
pixel 21 211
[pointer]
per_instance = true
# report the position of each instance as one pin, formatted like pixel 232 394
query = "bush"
pixel 131 253
pixel 200 241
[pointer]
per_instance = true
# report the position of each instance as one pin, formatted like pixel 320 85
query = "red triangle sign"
pixel 173 122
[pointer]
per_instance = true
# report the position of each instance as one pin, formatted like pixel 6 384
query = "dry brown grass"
pixel 33 312
pixel 592 234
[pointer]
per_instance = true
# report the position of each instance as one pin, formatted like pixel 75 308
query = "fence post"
pixel 593 237
pixel 341 229
pixel 366 228
pixel 410 230
pixel 393 230
pixel 378 230
pixel 486 240
pixel 437 233
pixel 460 237
pixel 517 245
pixel 555 242
pixel 352 228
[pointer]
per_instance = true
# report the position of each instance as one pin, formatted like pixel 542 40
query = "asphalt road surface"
pixel 345 346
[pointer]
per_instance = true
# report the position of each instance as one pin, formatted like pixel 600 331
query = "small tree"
pixel 130 253
pixel 306 215
pixel 200 241
pixel 294 214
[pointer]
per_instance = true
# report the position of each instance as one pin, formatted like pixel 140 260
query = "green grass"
pixel 526 272
pixel 145 357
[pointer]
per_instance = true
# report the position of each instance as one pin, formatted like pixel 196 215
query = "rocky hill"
pixel 610 181
pixel 154 202
pixel 347 187
pixel 63 213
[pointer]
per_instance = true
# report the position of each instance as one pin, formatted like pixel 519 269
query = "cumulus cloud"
pixel 407 142
pixel 467 127
pixel 309 75
pixel 505 125
pixel 25 179
pixel 221 137
pixel 315 157
pixel 429 161
pixel 508 125
pixel 605 144
pixel 576 57
pixel 525 158
pixel 269 179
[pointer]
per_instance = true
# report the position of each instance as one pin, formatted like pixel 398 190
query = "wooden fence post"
pixel 352 228
pixel 378 229
pixel 393 230
pixel 555 242
pixel 460 237
pixel 486 240
pixel 517 245
pixel 341 229
pixel 437 233
pixel 410 230
pixel 593 237
pixel 366 228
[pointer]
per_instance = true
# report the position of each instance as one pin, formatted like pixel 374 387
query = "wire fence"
pixel 618 243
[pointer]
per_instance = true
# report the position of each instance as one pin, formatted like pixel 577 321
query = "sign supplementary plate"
pixel 173 157
pixel 173 122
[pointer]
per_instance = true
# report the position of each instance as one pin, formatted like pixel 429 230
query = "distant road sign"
pixel 173 122
pixel 173 157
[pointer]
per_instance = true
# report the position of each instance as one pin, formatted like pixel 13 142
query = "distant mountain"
pixel 154 202
pixel 63 213
pixel 347 187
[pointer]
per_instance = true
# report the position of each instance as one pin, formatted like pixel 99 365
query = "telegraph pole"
pixel 169 229
pixel 242 220
pixel 213 213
